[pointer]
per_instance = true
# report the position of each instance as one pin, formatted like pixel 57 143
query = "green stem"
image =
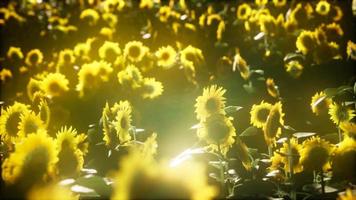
pixel 339 132
pixel 222 171
pixel 270 151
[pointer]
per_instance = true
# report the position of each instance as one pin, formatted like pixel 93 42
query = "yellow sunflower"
pixel 44 112
pixel 281 158
pixel 334 30
pixel 135 51
pixel 259 114
pixel 190 55
pixel 81 50
pixel 338 13
pixel 33 160
pixel 272 127
pixel 294 68
pixel 130 76
pixel 317 106
pixel 110 138
pixel 5 74
pixel 212 101
pixel 110 18
pixel 70 157
pixel 268 24
pixel 140 177
pixel 306 42
pixel 243 11
pixel 261 2
pixel 66 57
pixel 55 84
pixel 90 15
pixel 14 53
pixel 348 195
pixel 220 30
pixel 55 191
pixel 315 154
pixel 9 121
pixel 151 88
pixel 166 57
pixel 123 121
pixel 322 8
pixel 34 58
pixel 339 113
pixel 218 132
pixel 343 162
pixel 349 129
pixel 241 64
pixel 29 123
pixel 109 51
pixel 272 89
pixel 279 3
pixel 243 154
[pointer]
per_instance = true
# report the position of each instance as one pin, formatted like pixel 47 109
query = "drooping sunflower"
pixel 130 76
pixel 135 51
pixel 70 157
pixel 14 54
pixel 29 123
pixel 243 11
pixel 34 58
pixel 33 160
pixel 151 88
pixel 123 121
pixel 241 64
pixel 294 68
pixel 140 177
pixel 243 153
pixel 340 113
pixel 333 30
pixel 323 8
pixel 272 127
pixel 44 112
pixel 320 103
pixel 343 160
pixel 109 51
pixel 349 129
pixel 55 84
pixel 272 89
pixel 218 132
pixel 283 159
pixel 55 191
pixel 259 114
pixel 306 42
pixel 90 15
pixel 9 121
pixel 110 137
pixel 166 57
pixel 279 3
pixel 211 102
pixel 315 154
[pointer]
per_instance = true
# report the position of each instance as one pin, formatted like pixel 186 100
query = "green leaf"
pixel 330 92
pixel 293 56
pixel 232 109
pixel 303 134
pixel 96 183
pixel 250 131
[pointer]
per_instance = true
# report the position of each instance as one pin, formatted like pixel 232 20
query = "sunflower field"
pixel 178 99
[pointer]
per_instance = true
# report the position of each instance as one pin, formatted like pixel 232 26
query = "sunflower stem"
pixel 270 151
pixel 322 182
pixel 339 131
pixel 222 170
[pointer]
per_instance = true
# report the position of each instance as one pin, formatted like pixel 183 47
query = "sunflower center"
pixel 54 88
pixel 12 124
pixel 262 115
pixel 110 55
pixel 212 105
pixel 30 127
pixel 134 51
pixel 124 123
pixel 190 56
pixel 317 157
pixel 89 78
pixel 165 56
pixel 34 58
pixel 217 130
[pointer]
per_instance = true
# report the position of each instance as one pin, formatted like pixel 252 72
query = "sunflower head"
pixel 242 66
pixel 32 161
pixel 261 2
pixel 259 114
pixel 34 58
pixel 166 57
pixel 272 127
pixel 272 89
pixel 323 8
pixel 81 50
pixel 110 137
pixel 30 123
pixel 55 84
pixel 14 54
pixel 91 16
pixel 320 103
pixel 66 57
pixel 315 154
pixel 151 88
pixel 349 129
pixel 344 160
pixel 32 87
pixel 123 121
pixel 340 113
pixel 110 19
pixel 348 195
pixel 211 102
pixel 294 68
pixel 306 42
pixel 135 51
pixel 279 3
pixel 131 76
pixel 190 55
pixel 243 11
pixel 295 150
pixel 44 112
pixel 109 51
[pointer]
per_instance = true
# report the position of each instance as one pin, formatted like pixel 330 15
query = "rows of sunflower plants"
pixel 200 99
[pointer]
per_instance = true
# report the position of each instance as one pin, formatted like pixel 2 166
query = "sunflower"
pixel 148 4
pixel 339 113
pixel 130 76
pixel 166 57
pixel 218 131
pixel 322 8
pixel 259 114
pixel 279 3
pixel 338 14
pixel 70 158
pixel 190 55
pixel 83 144
pixel 44 112
pixel 55 191
pixel 104 70
pixel 14 53
pixel 268 24
pixel 349 129
pixel 261 2
pixel 140 177
pixel 294 68
pixel 272 127
pixel 272 89
pixel 348 195
pixel 55 84
pixel 333 30
pixel 306 42
pixel 9 121
pixel 241 64
pixel 109 51
pixel 123 121
pixel 315 154
pixel 110 18
pixel 351 50
pixel 211 102
pixel 66 57
pixel 90 15
pixel 113 5
pixel 107 32
pixel 243 11
pixel 34 58
pixel 29 123
pixel 283 154
pixel 243 154
pixel 5 74
pixel 343 162
pixel 151 88
pixel 135 51
pixel 110 137
pixel 320 103
pixel 32 161
pixel 81 50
